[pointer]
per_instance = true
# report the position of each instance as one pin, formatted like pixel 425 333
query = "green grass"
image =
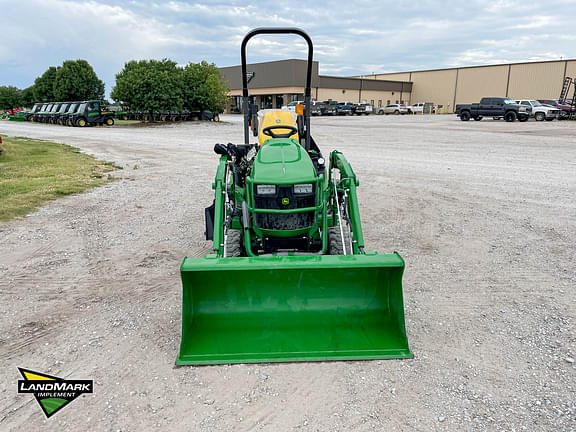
pixel 126 122
pixel 33 172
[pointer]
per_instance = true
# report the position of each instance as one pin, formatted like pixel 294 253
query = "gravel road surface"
pixel 484 214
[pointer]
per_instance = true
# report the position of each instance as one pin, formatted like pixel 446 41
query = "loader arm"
pixel 219 187
pixel 347 186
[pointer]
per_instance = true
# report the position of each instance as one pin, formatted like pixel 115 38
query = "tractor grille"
pixel 284 221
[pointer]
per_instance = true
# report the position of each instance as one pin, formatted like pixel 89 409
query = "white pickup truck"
pixel 540 112
pixel 292 106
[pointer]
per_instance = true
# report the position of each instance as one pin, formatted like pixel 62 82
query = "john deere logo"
pixel 278 121
pixel 285 201
pixel 52 393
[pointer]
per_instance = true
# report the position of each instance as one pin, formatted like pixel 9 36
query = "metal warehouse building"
pixel 448 87
pixel 273 84
pixel 277 83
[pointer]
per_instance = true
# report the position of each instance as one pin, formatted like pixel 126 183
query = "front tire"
pixel 109 122
pixel 81 122
pixel 510 116
pixel 234 244
pixel 539 116
pixel 396 112
pixel 335 246
pixel 478 118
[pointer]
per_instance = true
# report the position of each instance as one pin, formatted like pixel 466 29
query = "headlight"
pixel 265 189
pixel 303 188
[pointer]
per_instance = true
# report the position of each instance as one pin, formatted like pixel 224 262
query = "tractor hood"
pixel 282 161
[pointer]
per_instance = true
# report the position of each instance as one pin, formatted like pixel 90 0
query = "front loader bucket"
pixel 292 308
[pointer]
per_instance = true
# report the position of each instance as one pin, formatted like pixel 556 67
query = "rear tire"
pixel 396 112
pixel 510 116
pixel 81 122
pixel 478 118
pixel 234 244
pixel 465 116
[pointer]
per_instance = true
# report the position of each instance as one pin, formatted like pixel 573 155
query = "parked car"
pixel 396 109
pixel 292 106
pixel 565 108
pixel 540 112
pixel 345 109
pixel 423 108
pixel 417 108
pixel 330 107
pixel 317 108
pixel 495 107
pixel 363 108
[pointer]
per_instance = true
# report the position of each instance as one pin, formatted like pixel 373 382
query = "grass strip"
pixel 33 172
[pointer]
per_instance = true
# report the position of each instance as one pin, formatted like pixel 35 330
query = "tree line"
pixel 145 85
pixel 73 80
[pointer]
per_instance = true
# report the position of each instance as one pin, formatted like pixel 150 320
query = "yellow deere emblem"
pixel 285 201
pixel 278 121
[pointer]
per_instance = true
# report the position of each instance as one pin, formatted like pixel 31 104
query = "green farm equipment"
pixel 90 113
pixel 288 279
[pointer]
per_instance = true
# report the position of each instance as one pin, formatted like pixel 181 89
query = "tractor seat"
pixel 275 119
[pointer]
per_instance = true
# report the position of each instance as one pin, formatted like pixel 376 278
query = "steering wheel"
pixel 268 131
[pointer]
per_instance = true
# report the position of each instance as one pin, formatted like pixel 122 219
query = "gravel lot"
pixel 483 212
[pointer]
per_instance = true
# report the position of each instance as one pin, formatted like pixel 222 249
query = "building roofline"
pixel 365 78
pixel 268 62
pixel 467 67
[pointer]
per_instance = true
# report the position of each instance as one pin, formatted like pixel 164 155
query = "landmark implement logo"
pixel 52 393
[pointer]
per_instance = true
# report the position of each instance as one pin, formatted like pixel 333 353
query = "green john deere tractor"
pixel 288 279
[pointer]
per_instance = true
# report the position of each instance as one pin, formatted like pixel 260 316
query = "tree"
pixel 28 99
pixel 149 85
pixel 44 86
pixel 76 80
pixel 204 87
pixel 10 97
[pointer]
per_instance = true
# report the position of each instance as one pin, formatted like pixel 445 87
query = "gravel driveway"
pixel 484 214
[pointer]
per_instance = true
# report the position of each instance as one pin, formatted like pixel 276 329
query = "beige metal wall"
pixel 402 76
pixel 476 83
pixel 536 80
pixel 269 91
pixel 434 86
pixel 339 95
pixel 541 80
pixel 571 69
pixel 355 96
pixel 384 96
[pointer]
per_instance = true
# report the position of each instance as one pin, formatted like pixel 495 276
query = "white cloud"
pixel 371 36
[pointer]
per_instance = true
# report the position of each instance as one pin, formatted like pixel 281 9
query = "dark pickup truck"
pixel 495 107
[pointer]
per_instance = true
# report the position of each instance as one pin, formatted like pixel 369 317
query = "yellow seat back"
pixel 277 118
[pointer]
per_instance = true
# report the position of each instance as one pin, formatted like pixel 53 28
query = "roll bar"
pixel 307 89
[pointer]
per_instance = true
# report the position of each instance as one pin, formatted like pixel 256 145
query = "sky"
pixel 350 38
